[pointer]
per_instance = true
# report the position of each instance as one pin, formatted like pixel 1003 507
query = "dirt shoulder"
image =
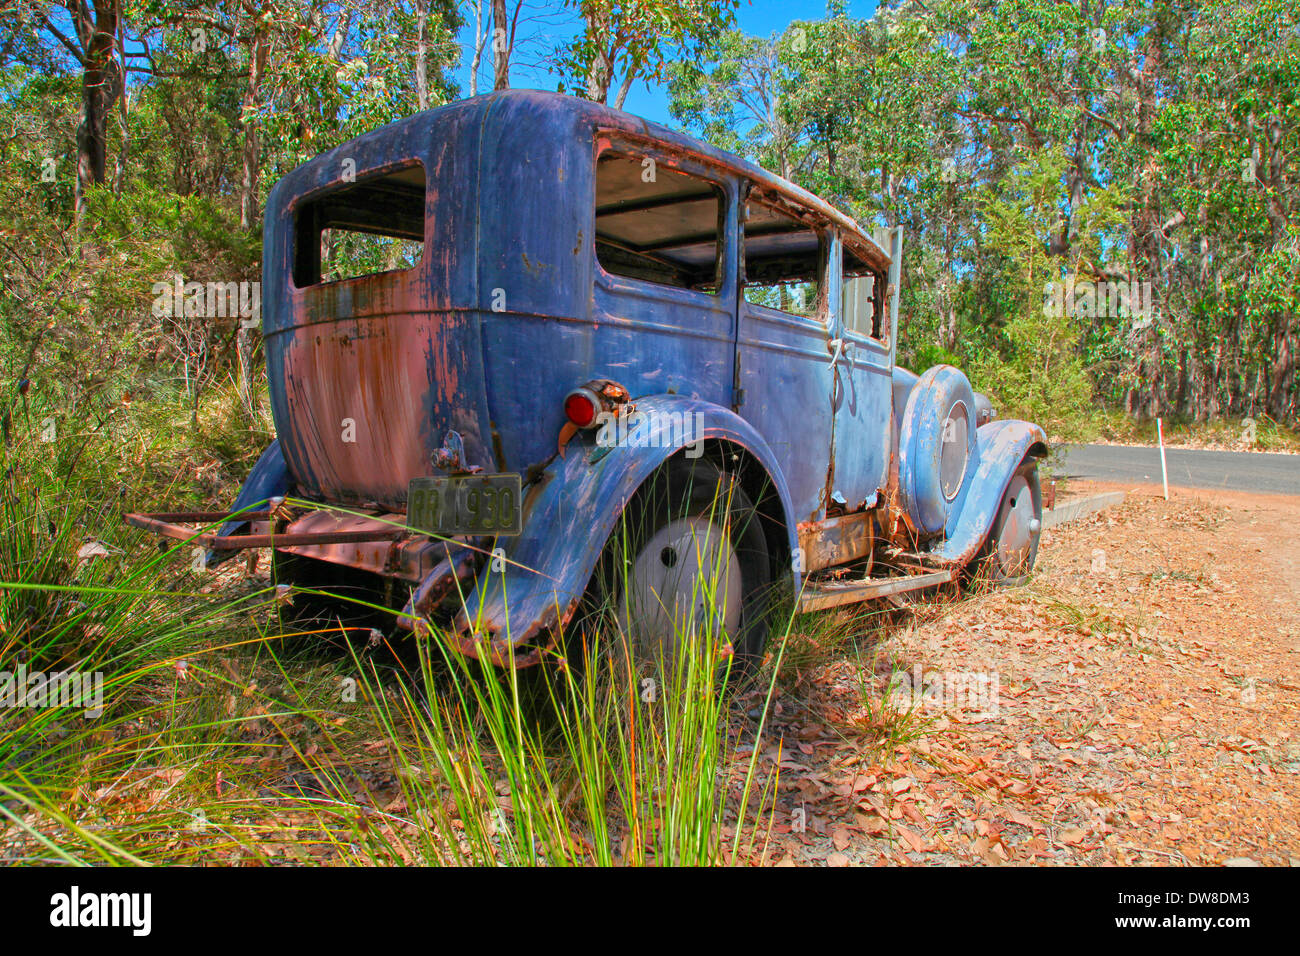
pixel 1200 444
pixel 1147 706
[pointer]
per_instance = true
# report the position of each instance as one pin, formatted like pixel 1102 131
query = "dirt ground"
pixel 1139 703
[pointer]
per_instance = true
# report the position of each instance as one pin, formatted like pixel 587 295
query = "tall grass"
pixel 603 755
pixel 611 763
pixel 87 610
pixel 215 745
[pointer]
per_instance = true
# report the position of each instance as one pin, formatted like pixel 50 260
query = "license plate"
pixel 466 504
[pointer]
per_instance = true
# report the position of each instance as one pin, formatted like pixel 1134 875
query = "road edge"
pixel 1081 507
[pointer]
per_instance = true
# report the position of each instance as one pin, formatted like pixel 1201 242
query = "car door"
pixel 861 387
pixel 784 376
pixel 663 296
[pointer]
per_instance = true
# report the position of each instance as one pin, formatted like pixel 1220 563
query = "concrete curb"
pixel 1079 507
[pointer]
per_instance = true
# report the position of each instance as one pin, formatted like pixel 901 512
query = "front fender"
pixel 571 512
pixel 1002 445
pixel 268 479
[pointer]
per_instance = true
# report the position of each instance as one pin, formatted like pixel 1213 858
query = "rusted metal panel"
pixel 167 524
pixel 449 581
pixel 380 544
pixel 369 399
pixel 367 374
pixel 851 592
pixel 837 540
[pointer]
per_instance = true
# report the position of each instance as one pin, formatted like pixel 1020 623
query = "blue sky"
pixel 553 23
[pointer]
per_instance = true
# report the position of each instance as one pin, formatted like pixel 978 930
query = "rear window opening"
pixel 657 224
pixel 372 226
pixel 784 262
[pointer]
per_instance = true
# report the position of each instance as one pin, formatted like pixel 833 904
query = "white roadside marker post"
pixel 1164 472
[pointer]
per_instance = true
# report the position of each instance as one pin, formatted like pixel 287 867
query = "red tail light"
pixel 581 406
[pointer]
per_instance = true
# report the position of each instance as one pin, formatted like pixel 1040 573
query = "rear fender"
pixel 571 512
pixel 1002 446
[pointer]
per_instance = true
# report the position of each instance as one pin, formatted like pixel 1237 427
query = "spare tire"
pixel 936 447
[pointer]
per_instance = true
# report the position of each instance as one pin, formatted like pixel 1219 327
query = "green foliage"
pixel 626 39
pixel 1035 370
pixel 1173 130
pixel 732 98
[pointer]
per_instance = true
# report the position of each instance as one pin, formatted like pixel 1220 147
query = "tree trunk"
pixel 1271 163
pixel 251 153
pixel 422 55
pixel 480 38
pixel 101 84
pixel 601 69
pixel 501 43
pixel 119 168
pixel 626 85
pixel 598 78
pixel 1279 392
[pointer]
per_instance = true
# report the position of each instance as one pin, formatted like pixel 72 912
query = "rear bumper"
pixel 261 533
pixel 434 574
pixel 379 543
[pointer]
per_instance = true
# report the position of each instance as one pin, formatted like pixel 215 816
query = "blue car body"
pixel 508 306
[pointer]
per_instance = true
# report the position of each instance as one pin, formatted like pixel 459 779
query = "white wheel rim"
pixel 687 573
pixel 1018 535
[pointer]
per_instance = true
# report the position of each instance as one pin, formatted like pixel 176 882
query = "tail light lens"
pixel 581 407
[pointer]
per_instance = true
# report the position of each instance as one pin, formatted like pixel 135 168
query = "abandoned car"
pixel 493 327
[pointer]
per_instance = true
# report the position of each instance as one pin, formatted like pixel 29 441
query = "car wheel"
pixel 689 562
pixel 1012 545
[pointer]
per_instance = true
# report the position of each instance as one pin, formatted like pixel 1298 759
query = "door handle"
pixel 840 349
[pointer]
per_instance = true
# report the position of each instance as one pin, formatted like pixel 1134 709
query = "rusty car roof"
pixel 519 103
pixel 630 125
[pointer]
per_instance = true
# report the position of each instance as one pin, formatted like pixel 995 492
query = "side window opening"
pixel 864 297
pixel 784 261
pixel 371 226
pixel 657 224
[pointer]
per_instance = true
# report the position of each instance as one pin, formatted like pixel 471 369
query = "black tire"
pixel 697 491
pixel 1008 556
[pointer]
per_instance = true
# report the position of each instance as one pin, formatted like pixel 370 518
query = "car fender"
pixel 571 512
pixel 268 479
pixel 1002 445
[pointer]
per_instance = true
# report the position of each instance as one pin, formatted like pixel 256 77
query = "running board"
pixel 850 592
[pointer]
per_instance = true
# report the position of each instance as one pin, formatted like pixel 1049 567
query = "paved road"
pixel 1238 470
